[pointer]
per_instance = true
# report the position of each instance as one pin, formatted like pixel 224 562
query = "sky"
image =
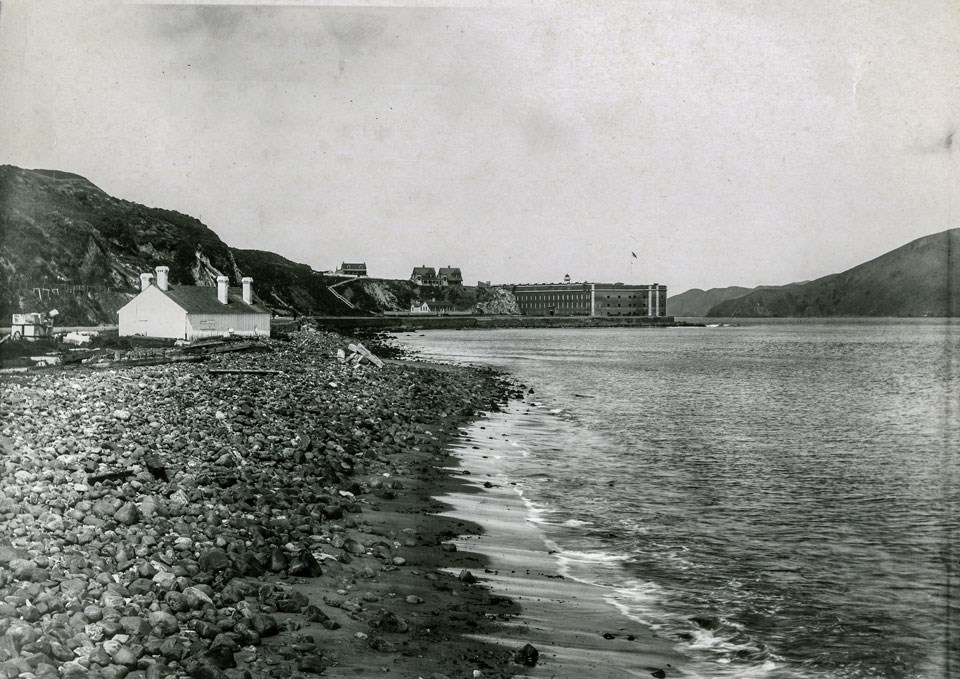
pixel 722 143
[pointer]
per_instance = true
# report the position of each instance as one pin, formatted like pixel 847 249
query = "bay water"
pixel 779 499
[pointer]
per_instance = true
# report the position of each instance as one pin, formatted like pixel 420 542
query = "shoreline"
pixel 573 624
pixel 321 520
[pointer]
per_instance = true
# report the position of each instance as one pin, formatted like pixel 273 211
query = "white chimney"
pixel 247 289
pixel 162 272
pixel 145 280
pixel 223 287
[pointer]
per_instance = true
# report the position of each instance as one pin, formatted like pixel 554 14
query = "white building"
pixel 191 312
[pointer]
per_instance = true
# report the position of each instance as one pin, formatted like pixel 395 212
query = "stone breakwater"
pixel 162 521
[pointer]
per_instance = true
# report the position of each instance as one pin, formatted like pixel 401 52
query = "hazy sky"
pixel 726 143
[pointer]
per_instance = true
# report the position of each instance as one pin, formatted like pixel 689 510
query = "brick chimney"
pixel 145 281
pixel 247 289
pixel 162 272
pixel 223 288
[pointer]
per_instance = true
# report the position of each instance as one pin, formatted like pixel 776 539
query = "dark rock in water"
pixel 213 560
pixel 466 577
pixel 706 621
pixel 609 635
pixel 305 565
pixel 659 674
pixel 528 656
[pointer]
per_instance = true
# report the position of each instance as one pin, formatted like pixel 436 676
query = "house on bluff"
pixel 192 312
pixel 356 269
pixel 449 275
pixel 424 275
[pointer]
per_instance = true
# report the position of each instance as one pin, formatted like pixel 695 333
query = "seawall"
pixel 485 322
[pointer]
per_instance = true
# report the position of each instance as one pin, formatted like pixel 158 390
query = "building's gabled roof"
pixel 203 300
pixel 353 265
pixel 450 271
pixel 424 271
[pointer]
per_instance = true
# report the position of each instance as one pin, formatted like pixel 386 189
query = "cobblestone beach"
pixel 168 520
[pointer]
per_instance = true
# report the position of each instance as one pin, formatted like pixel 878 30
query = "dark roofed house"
pixel 450 275
pixel 424 275
pixel 193 312
pixel 353 269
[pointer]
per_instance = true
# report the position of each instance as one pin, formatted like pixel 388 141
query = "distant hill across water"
pixel 921 278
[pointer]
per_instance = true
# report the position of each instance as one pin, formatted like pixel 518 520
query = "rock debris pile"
pixel 139 507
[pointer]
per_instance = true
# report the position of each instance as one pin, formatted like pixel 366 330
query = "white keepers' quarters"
pixel 189 312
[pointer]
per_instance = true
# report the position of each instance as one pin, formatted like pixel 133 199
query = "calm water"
pixel 783 500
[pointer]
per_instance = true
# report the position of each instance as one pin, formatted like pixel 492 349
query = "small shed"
pixel 193 312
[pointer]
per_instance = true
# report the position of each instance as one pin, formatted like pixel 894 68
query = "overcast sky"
pixel 725 143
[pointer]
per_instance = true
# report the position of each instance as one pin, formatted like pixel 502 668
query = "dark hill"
pixel 921 278
pixel 697 302
pixel 66 244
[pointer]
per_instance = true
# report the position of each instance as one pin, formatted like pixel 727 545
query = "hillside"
pixel 921 278
pixel 697 302
pixel 66 244
pixel 289 287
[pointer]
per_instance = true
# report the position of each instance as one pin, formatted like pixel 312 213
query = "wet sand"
pixel 564 619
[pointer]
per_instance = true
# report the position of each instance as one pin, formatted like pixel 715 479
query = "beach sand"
pixel 564 619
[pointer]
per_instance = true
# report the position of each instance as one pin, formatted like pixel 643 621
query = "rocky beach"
pixel 269 513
